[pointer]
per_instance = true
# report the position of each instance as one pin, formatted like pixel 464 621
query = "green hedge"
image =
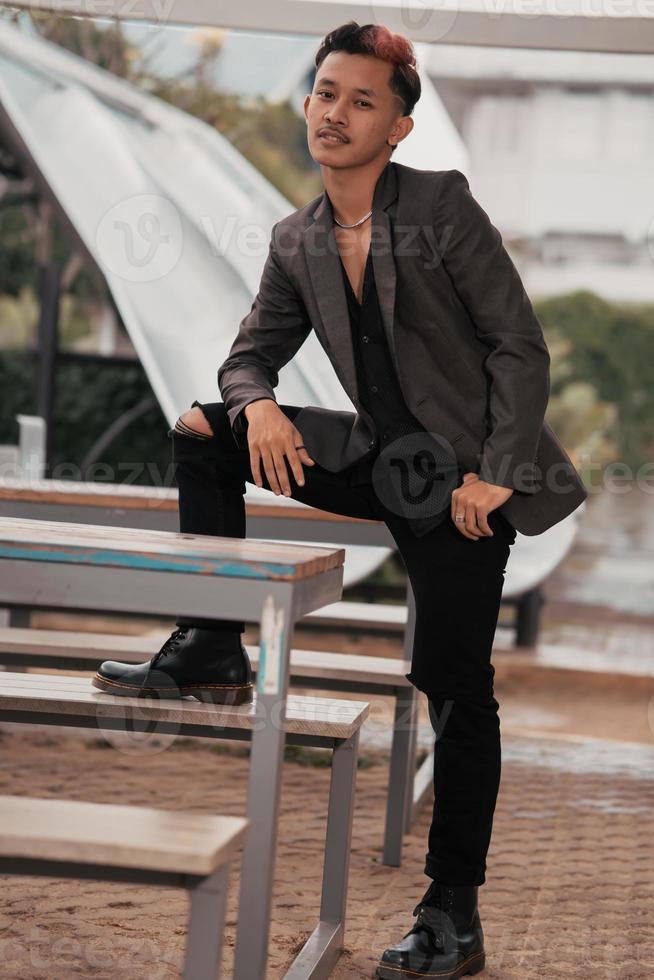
pixel 88 398
pixel 610 346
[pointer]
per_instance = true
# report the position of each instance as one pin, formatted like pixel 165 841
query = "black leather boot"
pixel 209 664
pixel 446 941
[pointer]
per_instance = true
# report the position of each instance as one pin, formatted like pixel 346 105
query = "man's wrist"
pixel 250 408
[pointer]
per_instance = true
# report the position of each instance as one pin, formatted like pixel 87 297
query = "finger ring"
pixel 300 447
pixel 460 518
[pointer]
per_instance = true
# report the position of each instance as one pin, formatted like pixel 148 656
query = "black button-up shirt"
pixel 381 395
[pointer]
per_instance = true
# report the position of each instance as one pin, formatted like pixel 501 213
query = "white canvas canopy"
pixel 119 162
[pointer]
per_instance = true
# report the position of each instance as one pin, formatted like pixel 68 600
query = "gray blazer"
pixel 467 346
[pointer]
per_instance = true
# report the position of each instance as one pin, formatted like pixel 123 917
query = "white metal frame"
pixel 570 26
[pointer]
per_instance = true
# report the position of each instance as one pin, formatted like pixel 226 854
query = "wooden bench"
pixel 58 565
pixel 61 700
pixel 105 842
pixel 68 650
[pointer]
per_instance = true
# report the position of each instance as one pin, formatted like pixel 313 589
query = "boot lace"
pixel 171 644
pixel 430 914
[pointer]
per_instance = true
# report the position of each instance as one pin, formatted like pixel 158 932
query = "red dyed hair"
pixel 388 46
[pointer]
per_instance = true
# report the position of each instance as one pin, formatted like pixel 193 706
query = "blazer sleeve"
pixel 268 337
pixel 518 360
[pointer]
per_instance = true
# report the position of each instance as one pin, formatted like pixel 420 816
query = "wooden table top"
pixel 167 551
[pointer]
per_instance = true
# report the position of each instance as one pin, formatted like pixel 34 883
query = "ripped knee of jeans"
pixel 193 424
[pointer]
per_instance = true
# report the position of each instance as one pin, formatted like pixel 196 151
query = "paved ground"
pixel 570 882
pixel 570 889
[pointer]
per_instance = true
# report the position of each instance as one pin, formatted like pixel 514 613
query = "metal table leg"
pixel 400 785
pixel 528 617
pixel 266 760
pixel 409 639
pixel 206 924
pixel 321 951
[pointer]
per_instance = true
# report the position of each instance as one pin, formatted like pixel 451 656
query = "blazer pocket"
pixel 440 430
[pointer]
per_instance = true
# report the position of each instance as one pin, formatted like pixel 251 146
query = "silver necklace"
pixel 359 222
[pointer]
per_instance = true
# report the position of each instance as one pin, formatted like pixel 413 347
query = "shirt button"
pixel 385 435
pixel 365 339
pixel 371 444
pixel 374 388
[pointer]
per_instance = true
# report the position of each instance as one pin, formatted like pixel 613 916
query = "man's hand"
pixel 475 500
pixel 271 436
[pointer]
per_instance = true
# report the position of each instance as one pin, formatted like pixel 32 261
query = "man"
pixel 424 317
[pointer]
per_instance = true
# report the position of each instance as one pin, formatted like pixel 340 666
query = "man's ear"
pixel 402 129
pixel 307 100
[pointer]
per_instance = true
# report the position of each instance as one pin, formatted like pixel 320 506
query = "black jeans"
pixel 457 585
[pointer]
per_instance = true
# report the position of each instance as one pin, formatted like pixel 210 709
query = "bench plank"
pixel 133 497
pixel 58 541
pixel 89 494
pixel 66 695
pixel 135 649
pixel 359 614
pixel 117 835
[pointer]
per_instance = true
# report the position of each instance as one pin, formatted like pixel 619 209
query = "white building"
pixel 561 151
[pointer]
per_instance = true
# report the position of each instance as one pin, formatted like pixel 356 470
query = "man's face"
pixel 351 95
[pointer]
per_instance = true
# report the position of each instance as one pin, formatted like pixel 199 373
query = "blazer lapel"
pixel 327 280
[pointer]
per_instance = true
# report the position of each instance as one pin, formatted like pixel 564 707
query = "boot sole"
pixel 216 694
pixel 473 964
